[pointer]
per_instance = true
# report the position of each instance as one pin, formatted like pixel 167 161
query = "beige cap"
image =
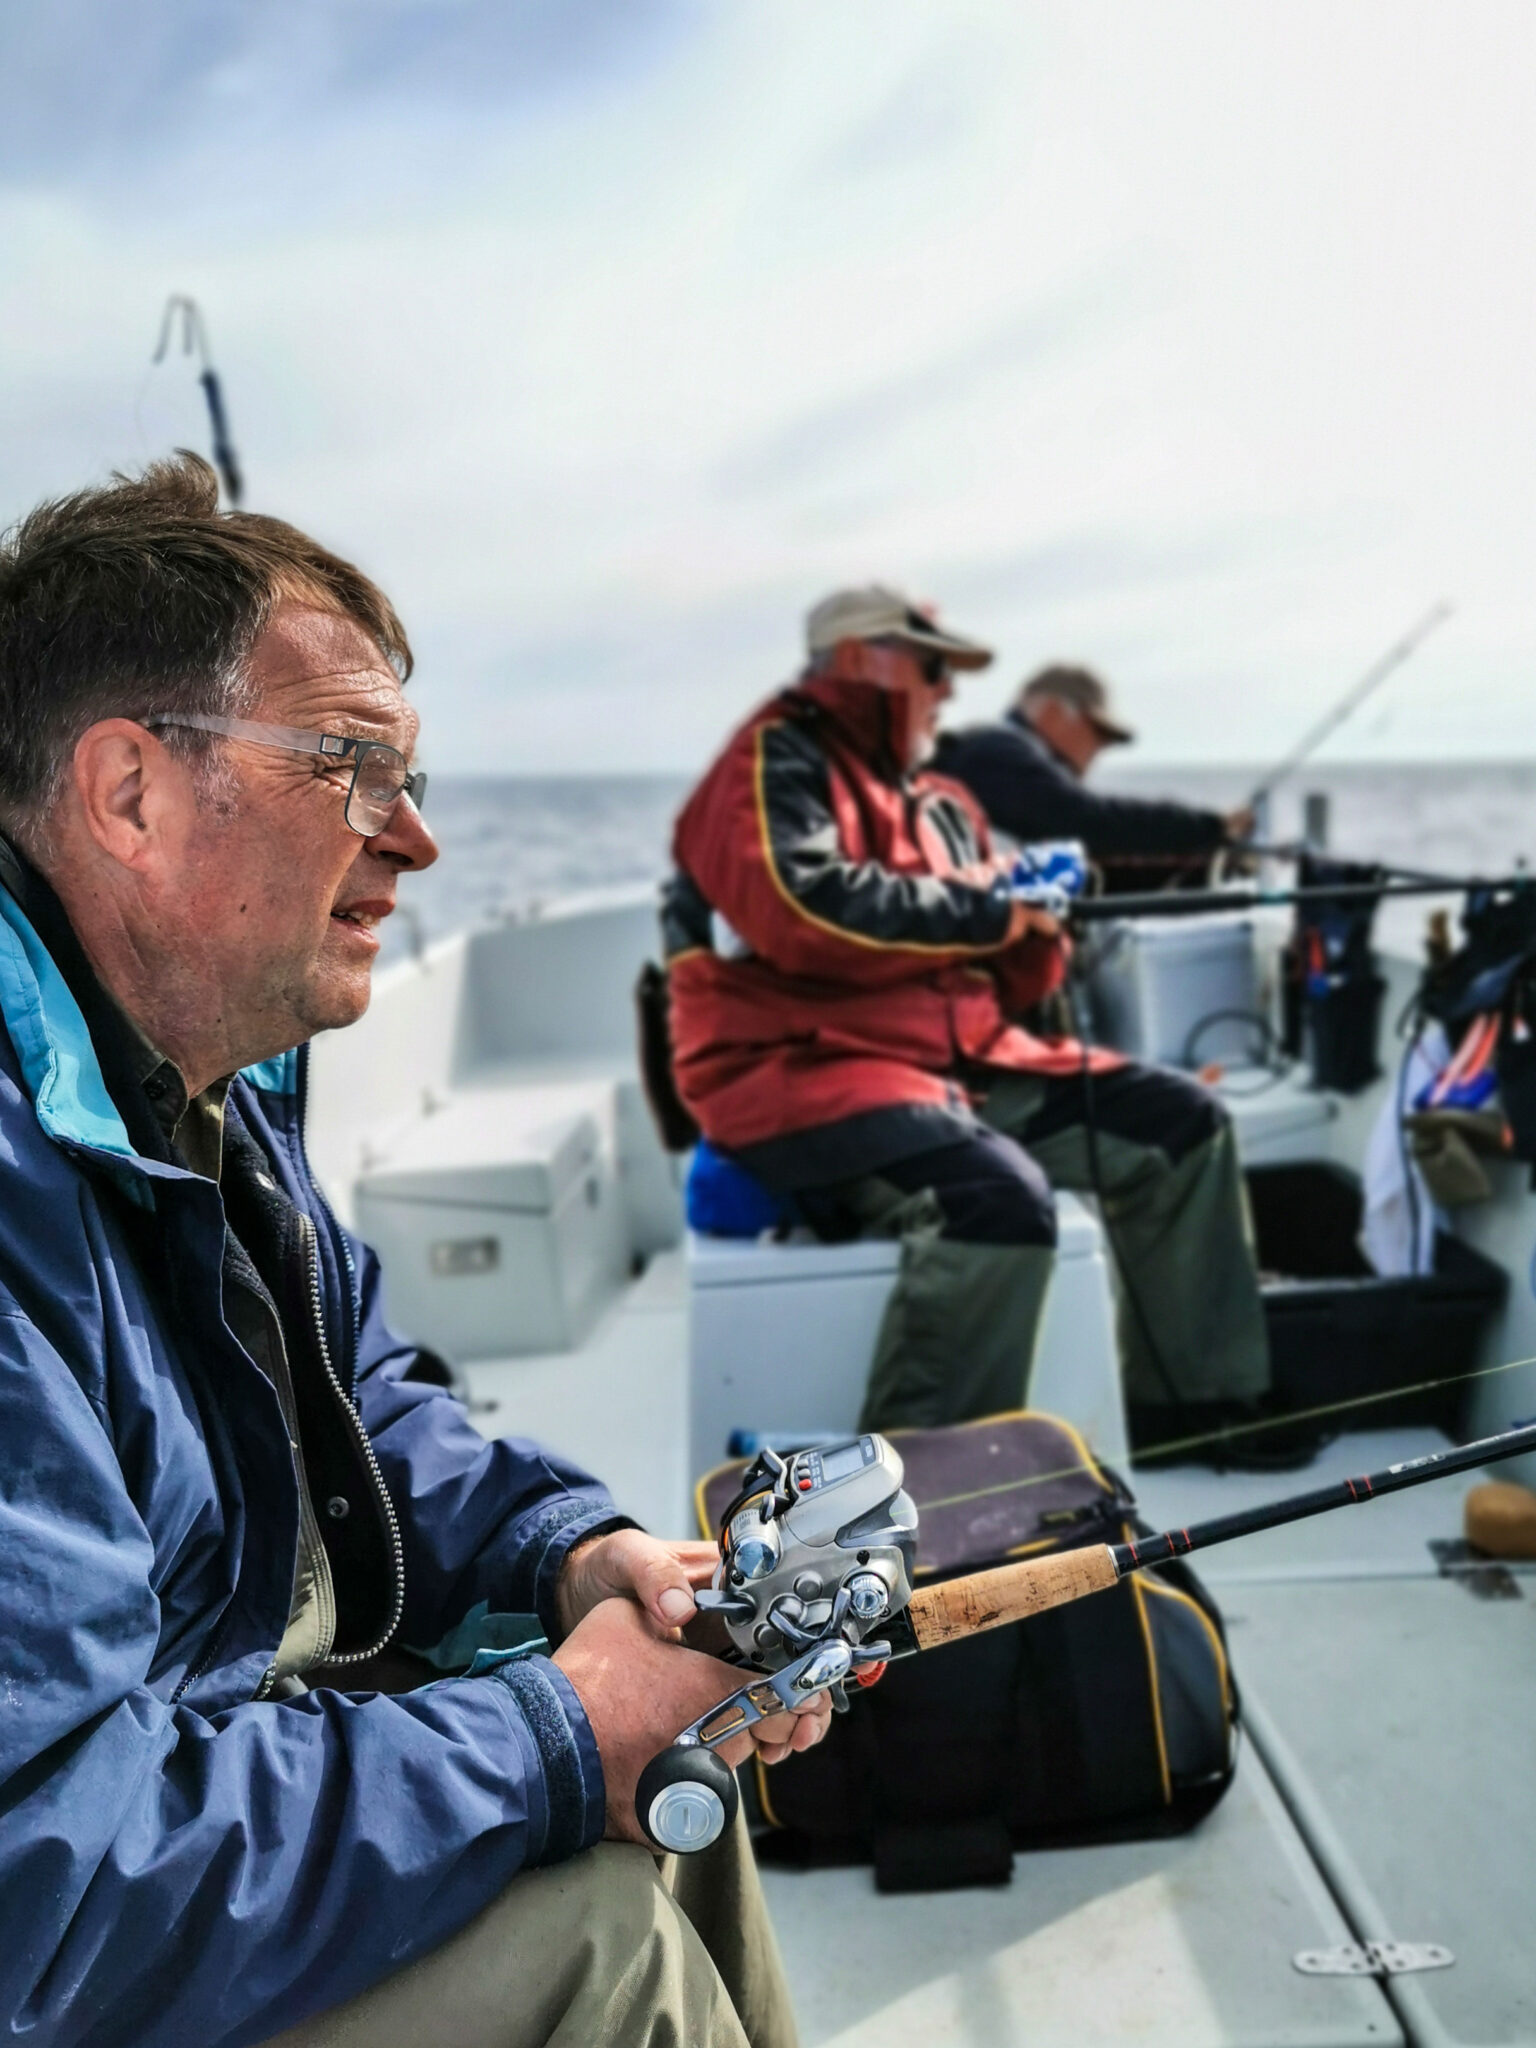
pixel 877 613
pixel 1082 689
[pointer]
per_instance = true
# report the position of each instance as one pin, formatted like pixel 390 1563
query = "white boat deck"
pixel 1175 1944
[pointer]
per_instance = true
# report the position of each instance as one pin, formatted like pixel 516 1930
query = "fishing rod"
pixel 1193 902
pixel 962 1607
pixel 194 342
pixel 1298 849
pixel 1400 651
pixel 834 1525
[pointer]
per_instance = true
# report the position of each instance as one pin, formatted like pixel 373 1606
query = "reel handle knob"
pixel 686 1798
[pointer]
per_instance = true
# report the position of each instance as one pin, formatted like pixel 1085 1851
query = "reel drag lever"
pixel 687 1795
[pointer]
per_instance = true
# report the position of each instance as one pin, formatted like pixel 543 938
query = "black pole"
pixel 1193 902
pixel 194 341
pixel 1343 1493
pixel 223 447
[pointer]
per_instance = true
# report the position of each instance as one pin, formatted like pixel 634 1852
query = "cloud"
pixel 833 435
pixel 1193 342
pixel 89 88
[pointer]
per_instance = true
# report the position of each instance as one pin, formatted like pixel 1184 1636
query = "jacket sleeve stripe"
pixel 859 903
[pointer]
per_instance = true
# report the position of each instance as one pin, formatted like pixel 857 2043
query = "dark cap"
pixel 1082 689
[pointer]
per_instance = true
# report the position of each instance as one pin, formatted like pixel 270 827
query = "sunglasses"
pixel 380 774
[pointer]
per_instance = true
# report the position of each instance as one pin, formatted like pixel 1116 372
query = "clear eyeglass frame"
pixel 380 773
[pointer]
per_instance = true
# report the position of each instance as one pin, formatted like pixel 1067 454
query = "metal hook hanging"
pixel 194 342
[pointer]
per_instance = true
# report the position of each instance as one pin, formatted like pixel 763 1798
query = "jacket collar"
pixel 61 1068
pixel 77 1062
pixel 872 721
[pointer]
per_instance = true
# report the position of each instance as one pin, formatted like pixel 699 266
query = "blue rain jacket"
pixel 182 1862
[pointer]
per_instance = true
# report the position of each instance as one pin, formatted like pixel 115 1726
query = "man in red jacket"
pixel 847 967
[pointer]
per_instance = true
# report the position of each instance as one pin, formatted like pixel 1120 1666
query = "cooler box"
pixel 499 1221
pixel 1179 991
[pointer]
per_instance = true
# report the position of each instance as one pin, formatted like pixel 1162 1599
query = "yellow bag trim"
pixel 1218 1648
pixel 1138 1594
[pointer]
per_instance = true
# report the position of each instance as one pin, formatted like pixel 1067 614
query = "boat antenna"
pixel 1399 652
pixel 194 342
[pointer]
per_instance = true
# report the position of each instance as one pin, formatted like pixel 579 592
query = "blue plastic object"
pixel 723 1200
pixel 1049 874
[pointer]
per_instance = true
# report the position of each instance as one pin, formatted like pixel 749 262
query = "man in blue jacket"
pixel 225 1486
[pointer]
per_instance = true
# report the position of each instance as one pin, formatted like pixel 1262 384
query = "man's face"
pixel 283 894
pixel 926 681
pixel 1072 734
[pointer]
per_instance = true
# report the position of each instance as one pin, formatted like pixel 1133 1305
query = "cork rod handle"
pixel 1012 1592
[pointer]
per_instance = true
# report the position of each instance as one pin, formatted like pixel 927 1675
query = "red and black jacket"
pixel 863 965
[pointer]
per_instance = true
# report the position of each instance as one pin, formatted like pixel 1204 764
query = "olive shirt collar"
pixel 193 1125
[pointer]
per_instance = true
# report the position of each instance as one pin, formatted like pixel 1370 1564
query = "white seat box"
pixel 781 1337
pixel 1280 1119
pixel 499 1220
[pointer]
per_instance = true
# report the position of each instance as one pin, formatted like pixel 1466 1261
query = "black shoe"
pixel 1234 1436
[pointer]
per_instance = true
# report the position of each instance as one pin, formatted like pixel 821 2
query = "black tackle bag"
pixel 1111 1719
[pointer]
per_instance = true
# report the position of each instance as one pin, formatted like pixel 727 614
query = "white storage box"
pixel 499 1221
pixel 781 1337
pixel 1161 986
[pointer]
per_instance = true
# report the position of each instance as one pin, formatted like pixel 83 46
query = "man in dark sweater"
pixel 1027 772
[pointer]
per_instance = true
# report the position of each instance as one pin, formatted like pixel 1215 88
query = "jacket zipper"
pixel 205 1661
pixel 354 1319
pixel 349 1408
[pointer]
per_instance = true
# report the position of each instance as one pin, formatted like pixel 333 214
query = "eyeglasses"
pixel 935 670
pixel 380 776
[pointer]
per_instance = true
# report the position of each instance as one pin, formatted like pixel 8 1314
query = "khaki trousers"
pixel 617 1948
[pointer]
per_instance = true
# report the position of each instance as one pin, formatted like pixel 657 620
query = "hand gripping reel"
pixel 816 1553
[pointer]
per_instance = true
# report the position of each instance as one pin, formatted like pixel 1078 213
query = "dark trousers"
pixel 977 1222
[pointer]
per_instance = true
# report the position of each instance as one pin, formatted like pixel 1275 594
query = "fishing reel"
pixel 816 1554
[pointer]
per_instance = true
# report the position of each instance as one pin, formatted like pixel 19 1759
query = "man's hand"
pixel 1027 918
pixel 640 1689
pixel 631 1565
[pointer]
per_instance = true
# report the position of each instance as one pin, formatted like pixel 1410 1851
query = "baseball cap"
pixel 1082 689
pixel 878 613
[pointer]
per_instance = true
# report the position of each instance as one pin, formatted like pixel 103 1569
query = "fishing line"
pixel 1349 703
pixel 1217 1436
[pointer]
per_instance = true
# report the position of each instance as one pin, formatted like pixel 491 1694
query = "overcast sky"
pixel 1193 341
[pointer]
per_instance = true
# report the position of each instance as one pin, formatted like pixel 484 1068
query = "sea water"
pixel 511 843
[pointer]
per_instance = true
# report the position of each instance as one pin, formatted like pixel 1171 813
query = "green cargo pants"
pixel 977 1229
